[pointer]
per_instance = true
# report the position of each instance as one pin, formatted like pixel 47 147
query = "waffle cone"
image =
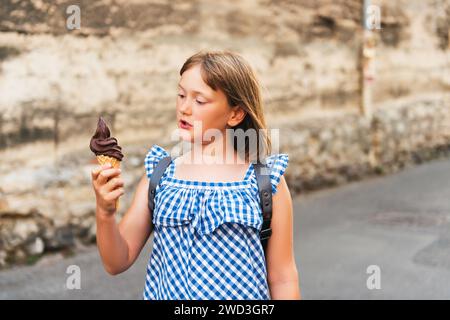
pixel 105 159
pixel 102 159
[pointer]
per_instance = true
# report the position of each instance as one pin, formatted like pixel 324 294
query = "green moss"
pixel 33 259
pixel 379 170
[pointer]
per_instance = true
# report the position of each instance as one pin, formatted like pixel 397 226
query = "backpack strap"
pixel 265 196
pixel 158 172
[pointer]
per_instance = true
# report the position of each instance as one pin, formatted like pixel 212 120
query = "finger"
pixel 107 174
pixel 113 184
pixel 98 169
pixel 113 195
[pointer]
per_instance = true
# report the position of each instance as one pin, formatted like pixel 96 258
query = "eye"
pixel 200 102
pixel 181 96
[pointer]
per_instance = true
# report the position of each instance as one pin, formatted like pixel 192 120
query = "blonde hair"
pixel 231 73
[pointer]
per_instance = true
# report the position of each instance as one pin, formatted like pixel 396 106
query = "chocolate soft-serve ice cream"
pixel 105 147
pixel 103 144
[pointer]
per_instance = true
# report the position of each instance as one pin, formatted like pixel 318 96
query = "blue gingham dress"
pixel 206 242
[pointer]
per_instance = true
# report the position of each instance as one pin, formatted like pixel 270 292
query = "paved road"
pixel 399 223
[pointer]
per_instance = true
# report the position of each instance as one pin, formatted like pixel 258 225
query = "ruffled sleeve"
pixel 152 158
pixel 277 164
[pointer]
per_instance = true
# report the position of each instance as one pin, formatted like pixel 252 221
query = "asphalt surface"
pixel 399 223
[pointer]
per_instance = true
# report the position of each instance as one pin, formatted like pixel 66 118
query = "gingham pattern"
pixel 206 236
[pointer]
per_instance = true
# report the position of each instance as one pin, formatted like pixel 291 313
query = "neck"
pixel 219 151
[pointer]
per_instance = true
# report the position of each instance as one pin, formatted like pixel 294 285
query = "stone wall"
pixel 124 64
pixel 125 61
pixel 329 151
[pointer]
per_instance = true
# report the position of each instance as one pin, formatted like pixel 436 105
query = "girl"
pixel 207 217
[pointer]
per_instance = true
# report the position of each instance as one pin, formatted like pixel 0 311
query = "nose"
pixel 185 106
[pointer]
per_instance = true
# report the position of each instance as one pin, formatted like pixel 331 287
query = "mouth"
pixel 184 124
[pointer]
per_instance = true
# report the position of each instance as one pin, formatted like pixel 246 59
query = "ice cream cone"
pixel 102 159
pixel 106 148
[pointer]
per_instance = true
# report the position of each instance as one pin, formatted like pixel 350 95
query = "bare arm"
pixel 282 275
pixel 120 244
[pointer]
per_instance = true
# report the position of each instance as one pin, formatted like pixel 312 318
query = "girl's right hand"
pixel 108 187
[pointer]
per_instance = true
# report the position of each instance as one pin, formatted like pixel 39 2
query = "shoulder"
pixel 277 165
pixel 153 156
pixel 283 193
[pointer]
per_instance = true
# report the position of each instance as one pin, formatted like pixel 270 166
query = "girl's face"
pixel 199 105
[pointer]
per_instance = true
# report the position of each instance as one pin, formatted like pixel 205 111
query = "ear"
pixel 237 115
